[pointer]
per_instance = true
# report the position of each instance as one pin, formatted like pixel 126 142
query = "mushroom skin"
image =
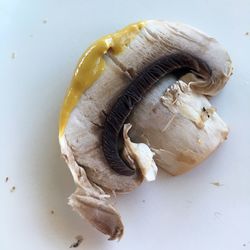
pixel 173 135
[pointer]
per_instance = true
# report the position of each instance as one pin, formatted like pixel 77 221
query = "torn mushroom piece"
pixel 120 80
pixel 139 156
pixel 187 131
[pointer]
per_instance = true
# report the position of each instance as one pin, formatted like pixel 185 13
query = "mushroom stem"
pixel 134 93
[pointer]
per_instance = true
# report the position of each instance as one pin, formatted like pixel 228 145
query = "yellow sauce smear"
pixel 91 66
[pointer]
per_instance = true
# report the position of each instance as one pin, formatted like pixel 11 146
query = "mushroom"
pixel 121 119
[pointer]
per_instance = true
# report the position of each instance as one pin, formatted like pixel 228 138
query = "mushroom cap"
pixel 170 121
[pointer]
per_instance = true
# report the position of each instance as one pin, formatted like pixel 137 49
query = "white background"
pixel 175 213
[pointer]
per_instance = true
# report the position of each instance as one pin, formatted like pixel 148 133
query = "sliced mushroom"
pixel 174 128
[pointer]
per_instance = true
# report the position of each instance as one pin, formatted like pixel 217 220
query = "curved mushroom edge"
pixel 90 200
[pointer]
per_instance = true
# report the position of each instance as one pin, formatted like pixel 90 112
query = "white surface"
pixel 175 213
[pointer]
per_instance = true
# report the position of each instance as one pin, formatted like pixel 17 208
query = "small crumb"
pixel 79 240
pixel 13 189
pixel 6 179
pixel 31 35
pixel 247 33
pixel 216 183
pixel 143 201
pixel 199 141
pixel 45 21
pixel 13 55
pixel 244 245
pixel 154 110
pixel 52 212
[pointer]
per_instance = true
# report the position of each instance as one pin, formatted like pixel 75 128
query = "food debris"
pixel 143 201
pixel 244 245
pixel 247 33
pixel 79 240
pixel 216 183
pixel 52 212
pixel 13 55
pixel 13 189
pixel 6 179
pixel 199 141
pixel 45 21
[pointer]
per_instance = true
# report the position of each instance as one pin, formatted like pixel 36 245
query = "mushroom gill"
pixel 135 92
pixel 121 120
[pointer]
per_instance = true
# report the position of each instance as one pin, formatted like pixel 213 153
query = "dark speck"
pixel 105 114
pixel 78 241
pixel 216 183
pixel 154 110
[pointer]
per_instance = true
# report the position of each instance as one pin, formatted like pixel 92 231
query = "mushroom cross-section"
pixel 121 118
